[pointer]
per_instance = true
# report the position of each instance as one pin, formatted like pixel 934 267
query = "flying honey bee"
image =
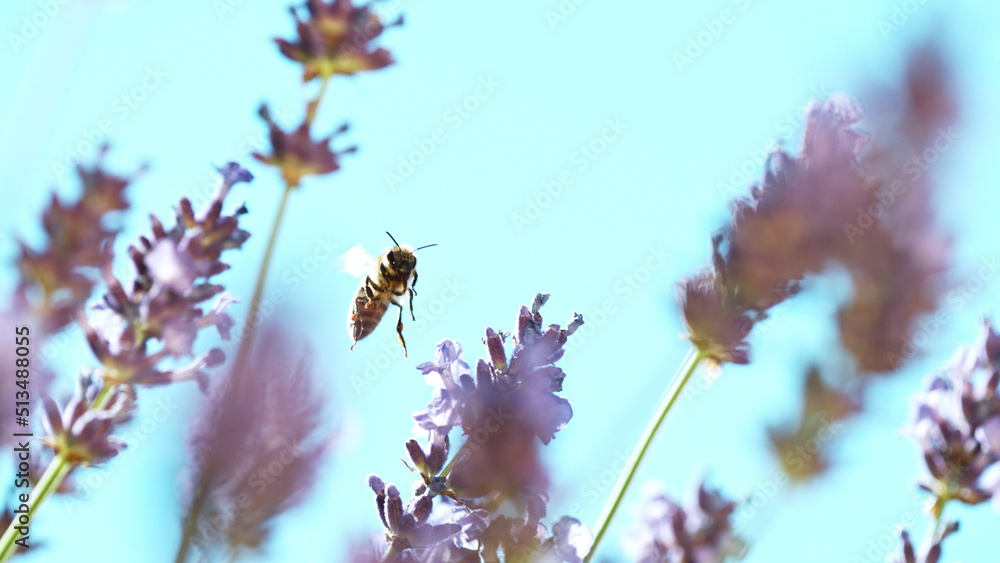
pixel 386 278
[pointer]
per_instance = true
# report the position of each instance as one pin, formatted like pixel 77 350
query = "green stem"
pixel 684 373
pixel 246 344
pixel 314 103
pixel 233 385
pixel 250 327
pixel 938 511
pixel 50 481
pixel 190 522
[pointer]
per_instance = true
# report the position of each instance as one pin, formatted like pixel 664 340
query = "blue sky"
pixel 582 148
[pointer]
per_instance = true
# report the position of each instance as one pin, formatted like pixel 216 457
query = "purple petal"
pixel 572 539
pixel 989 434
pixel 168 266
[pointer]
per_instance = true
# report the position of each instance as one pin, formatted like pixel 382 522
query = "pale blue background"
pixel 657 185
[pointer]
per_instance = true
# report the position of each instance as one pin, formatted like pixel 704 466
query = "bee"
pixel 388 277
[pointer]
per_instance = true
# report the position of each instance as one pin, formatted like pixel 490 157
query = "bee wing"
pixel 357 261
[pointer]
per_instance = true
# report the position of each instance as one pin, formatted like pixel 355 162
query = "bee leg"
pixel 357 330
pixel 414 284
pixel 371 287
pixel 412 293
pixel 399 327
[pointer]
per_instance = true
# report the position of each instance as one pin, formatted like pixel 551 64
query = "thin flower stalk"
pixel 684 373
pixel 333 38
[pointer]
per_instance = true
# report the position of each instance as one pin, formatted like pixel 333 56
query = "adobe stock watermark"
pixel 255 142
pixel 741 175
pixel 562 12
pixel 453 117
pixel 899 16
pixel 797 459
pixel 888 541
pixel 929 325
pixel 625 289
pixel 914 168
pixel 426 312
pixel 700 42
pixel 596 489
pixel 32 25
pixel 580 159
pixel 121 108
pixel 292 279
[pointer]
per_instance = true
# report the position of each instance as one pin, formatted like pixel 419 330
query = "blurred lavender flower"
pixel 335 38
pixel 701 532
pixel 896 257
pixel 173 271
pixel 957 425
pixel 296 154
pixel 800 449
pixel 790 226
pixel 272 420
pixel 52 286
pixel 844 199
pixel 812 209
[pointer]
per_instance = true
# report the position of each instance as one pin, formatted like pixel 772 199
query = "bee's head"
pixel 402 259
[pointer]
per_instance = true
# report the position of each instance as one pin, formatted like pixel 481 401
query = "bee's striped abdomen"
pixel 365 315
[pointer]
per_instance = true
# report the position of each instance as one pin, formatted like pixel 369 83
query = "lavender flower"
pixel 271 420
pixel 508 405
pixel 700 532
pixel 408 527
pixel 296 154
pixel 52 285
pixel 80 432
pixel 570 542
pixel 517 539
pixel 336 38
pixel 789 227
pixel 816 208
pixel 957 425
pixel 173 271
pixel 811 209
pixel 504 410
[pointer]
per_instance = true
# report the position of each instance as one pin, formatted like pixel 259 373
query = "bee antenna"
pixel 426 246
pixel 392 237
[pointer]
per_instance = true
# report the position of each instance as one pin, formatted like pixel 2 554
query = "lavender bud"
pixel 495 347
pixel 417 455
pixel 393 507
